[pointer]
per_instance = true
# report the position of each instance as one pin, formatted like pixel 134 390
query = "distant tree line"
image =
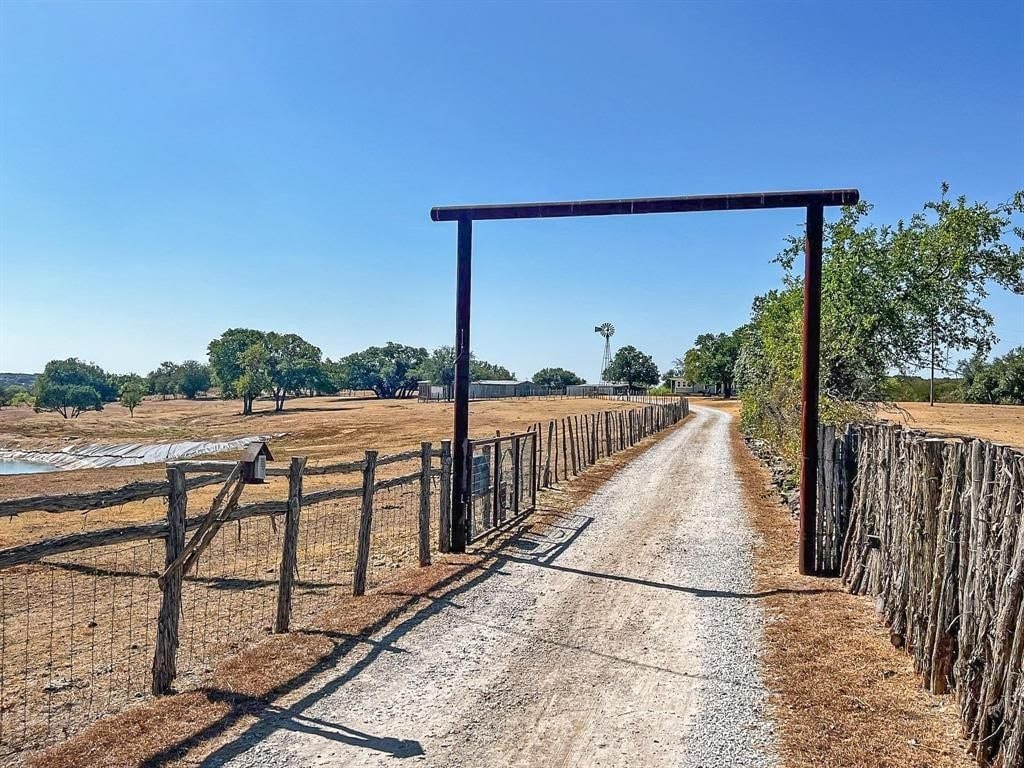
pixel 248 364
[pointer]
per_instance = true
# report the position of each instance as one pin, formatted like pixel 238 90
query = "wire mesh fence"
pixel 75 640
pixel 80 615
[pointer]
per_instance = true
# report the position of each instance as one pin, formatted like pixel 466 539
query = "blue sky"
pixel 168 170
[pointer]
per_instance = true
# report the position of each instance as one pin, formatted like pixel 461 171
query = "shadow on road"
pixel 539 542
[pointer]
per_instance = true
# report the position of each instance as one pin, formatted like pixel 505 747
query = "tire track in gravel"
pixel 625 634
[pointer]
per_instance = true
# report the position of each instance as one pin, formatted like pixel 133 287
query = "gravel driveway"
pixel 626 636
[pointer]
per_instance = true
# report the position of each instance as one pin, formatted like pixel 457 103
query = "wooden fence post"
pixel 365 525
pixel 572 448
pixel 425 462
pixel 289 545
pixel 444 524
pixel 547 458
pixel 565 455
pixel 166 650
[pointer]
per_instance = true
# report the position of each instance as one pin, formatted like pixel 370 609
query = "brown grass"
pixel 325 429
pixel 185 729
pixel 842 696
pixel 999 423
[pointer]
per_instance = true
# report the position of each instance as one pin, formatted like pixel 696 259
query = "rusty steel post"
pixel 809 388
pixel 460 475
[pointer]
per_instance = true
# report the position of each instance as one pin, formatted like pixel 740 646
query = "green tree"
pixel 556 377
pixel 69 400
pixel 293 365
pixel 192 378
pixel 883 288
pixel 390 371
pixel 633 367
pixel 712 359
pixel 999 381
pixel 438 367
pixel 225 352
pixel 11 394
pixel 164 380
pixel 481 370
pixel 253 379
pixel 24 397
pixel 71 386
pixel 132 393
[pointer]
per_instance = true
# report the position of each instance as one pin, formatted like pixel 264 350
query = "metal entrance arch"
pixel 813 201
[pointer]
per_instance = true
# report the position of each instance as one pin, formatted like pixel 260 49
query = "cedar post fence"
pixel 290 545
pixel 424 519
pixel 365 526
pixel 166 650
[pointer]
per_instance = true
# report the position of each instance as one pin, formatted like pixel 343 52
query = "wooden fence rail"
pixel 931 528
pixel 282 539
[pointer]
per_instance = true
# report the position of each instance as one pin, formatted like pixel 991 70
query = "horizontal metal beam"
pixel 625 207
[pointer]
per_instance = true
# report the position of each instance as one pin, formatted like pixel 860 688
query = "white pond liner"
pixel 100 455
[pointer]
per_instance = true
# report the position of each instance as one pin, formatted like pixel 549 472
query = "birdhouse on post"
pixel 254 463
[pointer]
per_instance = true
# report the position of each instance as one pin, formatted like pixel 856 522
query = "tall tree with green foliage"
pixel 882 289
pixel 556 377
pixel 164 380
pixel 71 386
pixel 390 371
pixel 712 360
pixel 293 365
pixel 635 368
pixel 438 367
pixel 225 353
pixel 192 378
pixel 253 379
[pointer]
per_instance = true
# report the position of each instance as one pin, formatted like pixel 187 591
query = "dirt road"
pixel 626 635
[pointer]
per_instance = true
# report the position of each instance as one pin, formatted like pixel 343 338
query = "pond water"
pixel 15 467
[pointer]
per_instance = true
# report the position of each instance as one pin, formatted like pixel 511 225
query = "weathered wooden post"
pixel 365 525
pixel 499 499
pixel 290 545
pixel 572 448
pixel 547 457
pixel 166 650
pixel 425 462
pixel 444 524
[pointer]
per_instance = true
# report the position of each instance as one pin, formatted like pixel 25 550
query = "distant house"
pixel 682 386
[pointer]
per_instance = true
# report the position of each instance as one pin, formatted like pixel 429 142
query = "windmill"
pixel 606 330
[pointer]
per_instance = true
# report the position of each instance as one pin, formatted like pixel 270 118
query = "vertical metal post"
pixel 460 477
pixel 809 387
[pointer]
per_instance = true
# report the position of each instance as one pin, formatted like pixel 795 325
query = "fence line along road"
pixel 94 621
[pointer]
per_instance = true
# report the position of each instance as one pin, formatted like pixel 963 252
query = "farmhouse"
pixel 680 385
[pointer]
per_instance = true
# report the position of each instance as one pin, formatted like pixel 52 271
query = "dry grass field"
pixel 326 429
pixel 998 423
pixel 78 628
